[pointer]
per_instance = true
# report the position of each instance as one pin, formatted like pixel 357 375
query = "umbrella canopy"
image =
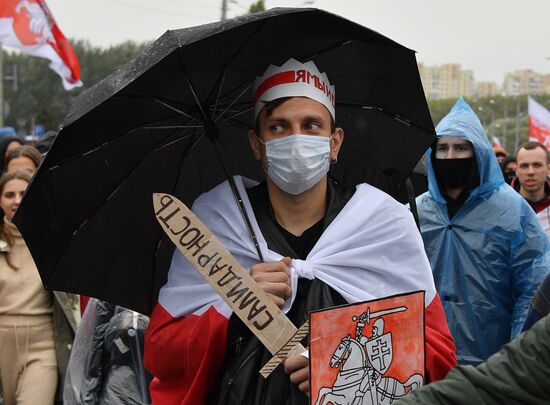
pixel 155 124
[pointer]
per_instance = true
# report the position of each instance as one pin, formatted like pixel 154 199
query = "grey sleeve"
pixel 517 374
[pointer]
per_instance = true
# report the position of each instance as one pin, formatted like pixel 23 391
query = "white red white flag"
pixel 28 25
pixel 539 123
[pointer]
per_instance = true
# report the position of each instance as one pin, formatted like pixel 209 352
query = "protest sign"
pixel 368 353
pixel 227 277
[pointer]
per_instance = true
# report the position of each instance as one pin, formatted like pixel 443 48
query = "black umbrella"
pixel 158 123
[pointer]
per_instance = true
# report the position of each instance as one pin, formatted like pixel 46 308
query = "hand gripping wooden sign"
pixel 227 277
pixel 370 353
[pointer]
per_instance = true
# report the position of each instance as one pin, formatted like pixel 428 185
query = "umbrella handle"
pixel 213 135
pixel 412 201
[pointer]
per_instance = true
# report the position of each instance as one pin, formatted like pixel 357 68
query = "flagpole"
pixel 224 10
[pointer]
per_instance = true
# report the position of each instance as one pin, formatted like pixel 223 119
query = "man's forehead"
pixel 452 140
pixel 534 154
pixel 298 106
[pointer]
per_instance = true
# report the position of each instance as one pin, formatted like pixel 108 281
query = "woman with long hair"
pixel 25 157
pixel 28 365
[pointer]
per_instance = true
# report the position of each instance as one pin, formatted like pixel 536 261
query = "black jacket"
pixel 240 382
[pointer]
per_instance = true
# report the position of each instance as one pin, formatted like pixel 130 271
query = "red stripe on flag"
pixel 539 133
pixel 62 46
pixel 275 80
pixel 440 346
pixel 184 355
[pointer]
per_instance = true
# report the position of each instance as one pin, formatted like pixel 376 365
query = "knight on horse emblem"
pixel 363 362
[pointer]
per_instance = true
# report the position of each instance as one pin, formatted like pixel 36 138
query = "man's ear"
pixel 255 145
pixel 336 143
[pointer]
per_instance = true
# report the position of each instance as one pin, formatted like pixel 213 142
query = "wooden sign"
pixel 227 277
pixel 367 353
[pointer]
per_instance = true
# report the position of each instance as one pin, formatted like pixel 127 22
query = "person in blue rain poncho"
pixel 481 238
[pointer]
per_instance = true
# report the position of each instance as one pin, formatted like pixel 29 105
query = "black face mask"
pixel 509 176
pixel 452 172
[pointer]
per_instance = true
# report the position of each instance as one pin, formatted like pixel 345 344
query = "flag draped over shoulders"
pixel 370 250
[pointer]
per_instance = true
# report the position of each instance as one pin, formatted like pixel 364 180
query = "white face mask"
pixel 296 163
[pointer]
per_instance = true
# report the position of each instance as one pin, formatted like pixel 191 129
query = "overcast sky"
pixel 490 37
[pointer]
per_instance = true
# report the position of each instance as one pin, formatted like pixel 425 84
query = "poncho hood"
pixel 462 121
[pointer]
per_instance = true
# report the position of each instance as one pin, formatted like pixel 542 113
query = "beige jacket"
pixel 22 293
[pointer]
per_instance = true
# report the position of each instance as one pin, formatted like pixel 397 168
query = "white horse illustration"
pixel 350 357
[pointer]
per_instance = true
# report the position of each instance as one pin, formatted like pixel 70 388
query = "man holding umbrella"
pixel 322 247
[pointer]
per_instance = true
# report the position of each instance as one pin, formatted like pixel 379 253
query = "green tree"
pixel 39 97
pixel 257 7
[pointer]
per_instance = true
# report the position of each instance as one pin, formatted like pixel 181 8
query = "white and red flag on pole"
pixel 539 123
pixel 29 26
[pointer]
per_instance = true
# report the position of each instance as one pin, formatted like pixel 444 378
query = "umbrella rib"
pixel 237 114
pixel 176 109
pixel 187 150
pixel 192 89
pixel 172 127
pixel 229 62
pixel 395 116
pixel 64 161
pixel 82 154
pixel 158 100
pixel 234 101
pixel 218 94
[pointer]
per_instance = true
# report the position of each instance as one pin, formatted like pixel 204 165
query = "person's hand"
pixel 274 279
pixel 297 367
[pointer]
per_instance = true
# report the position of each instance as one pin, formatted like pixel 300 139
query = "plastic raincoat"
pixel 106 364
pixel 481 257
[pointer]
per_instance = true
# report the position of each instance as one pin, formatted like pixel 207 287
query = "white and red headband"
pixel 293 79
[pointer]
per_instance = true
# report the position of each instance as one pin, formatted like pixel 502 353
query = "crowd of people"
pixel 481 254
pixel 38 329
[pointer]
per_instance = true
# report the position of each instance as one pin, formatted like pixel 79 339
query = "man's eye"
pixel 312 126
pixel 276 128
pixel 442 148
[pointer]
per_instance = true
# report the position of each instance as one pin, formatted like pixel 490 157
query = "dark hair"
pixel 27 151
pixel 272 105
pixel 5 235
pixel 532 145
pixel 507 160
pixel 4 142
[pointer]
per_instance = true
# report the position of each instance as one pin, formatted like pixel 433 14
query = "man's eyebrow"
pixel 275 120
pixel 314 117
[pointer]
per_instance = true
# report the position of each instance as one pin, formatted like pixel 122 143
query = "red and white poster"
pixel 539 123
pixel 370 353
pixel 28 25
